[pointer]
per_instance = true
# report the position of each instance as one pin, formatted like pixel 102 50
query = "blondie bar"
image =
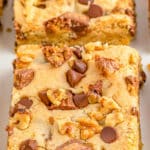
pixel 74 21
pixel 75 98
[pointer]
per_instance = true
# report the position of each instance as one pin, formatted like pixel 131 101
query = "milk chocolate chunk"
pixel 73 77
pixel 80 100
pixel 95 11
pixel 80 66
pixel 109 135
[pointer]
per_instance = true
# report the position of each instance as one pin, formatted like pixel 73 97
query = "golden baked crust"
pixel 72 22
pixel 81 97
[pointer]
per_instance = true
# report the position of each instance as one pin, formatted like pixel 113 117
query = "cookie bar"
pixel 75 98
pixel 74 22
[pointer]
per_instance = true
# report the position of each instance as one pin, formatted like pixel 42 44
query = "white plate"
pixel 141 43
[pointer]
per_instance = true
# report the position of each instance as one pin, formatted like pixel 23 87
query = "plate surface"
pixel 141 43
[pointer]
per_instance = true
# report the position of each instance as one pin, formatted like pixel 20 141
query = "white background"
pixel 141 43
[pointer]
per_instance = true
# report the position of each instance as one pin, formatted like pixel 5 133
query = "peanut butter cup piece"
pixel 74 145
pixel 23 77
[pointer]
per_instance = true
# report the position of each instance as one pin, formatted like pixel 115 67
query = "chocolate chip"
pixel 80 100
pixel 109 135
pixel 44 98
pixel 97 87
pixel 73 77
pixel 29 145
pixel 79 66
pixel 85 2
pixel 77 50
pixel 95 11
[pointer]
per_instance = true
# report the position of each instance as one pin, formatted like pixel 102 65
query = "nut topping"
pixel 73 77
pixel 106 66
pixel 80 100
pixel 79 66
pixel 22 120
pixel 29 145
pixel 95 11
pixel 109 135
pixel 74 145
pixel 57 99
pixel 132 84
pixel 23 78
pixel 97 87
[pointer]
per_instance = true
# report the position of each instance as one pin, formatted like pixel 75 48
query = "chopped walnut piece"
pixel 96 115
pixel 97 87
pixel 114 119
pixel 21 120
pixel 29 145
pixel 88 127
pixel 69 128
pixel 86 133
pixel 57 99
pixel 74 144
pixel 56 96
pixel 106 66
pixel 107 105
pixel 23 78
pixel 19 35
pixel 18 64
pixel 55 55
pixel 132 84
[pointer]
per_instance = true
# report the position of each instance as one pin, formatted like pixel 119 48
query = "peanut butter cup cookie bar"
pixel 75 98
pixel 74 21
